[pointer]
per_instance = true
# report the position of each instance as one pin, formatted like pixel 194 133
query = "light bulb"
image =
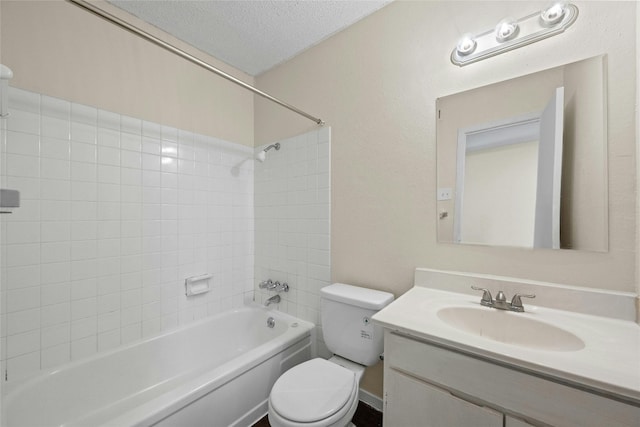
pixel 466 45
pixel 553 14
pixel 506 30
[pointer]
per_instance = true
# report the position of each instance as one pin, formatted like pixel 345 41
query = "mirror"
pixel 523 162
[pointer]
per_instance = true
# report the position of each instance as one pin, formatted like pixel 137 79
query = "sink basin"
pixel 510 328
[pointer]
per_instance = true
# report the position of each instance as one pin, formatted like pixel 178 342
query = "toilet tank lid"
pixel 354 295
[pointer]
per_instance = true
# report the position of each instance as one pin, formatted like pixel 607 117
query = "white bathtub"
pixel 216 372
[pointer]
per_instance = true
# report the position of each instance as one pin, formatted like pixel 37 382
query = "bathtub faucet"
pixel 274 299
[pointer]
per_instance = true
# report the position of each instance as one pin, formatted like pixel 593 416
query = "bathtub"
pixel 216 372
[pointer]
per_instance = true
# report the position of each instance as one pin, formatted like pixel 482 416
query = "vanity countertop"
pixel 609 361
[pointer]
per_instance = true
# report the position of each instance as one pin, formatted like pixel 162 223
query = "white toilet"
pixel 324 393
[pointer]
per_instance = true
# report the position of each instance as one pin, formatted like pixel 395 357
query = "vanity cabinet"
pixel 429 384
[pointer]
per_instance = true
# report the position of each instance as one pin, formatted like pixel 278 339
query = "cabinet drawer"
pixel 505 389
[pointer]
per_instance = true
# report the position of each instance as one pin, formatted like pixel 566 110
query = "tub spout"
pixel 274 299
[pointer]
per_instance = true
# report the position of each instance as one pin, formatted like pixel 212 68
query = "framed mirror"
pixel 523 162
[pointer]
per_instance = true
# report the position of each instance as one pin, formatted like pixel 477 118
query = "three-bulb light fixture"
pixel 511 34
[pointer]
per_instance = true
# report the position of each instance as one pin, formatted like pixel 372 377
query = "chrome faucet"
pixel 273 300
pixel 501 300
pixel 274 286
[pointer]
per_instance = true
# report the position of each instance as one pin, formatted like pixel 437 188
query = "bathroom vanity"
pixel 450 361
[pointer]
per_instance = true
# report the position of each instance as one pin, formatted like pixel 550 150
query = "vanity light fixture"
pixel 511 34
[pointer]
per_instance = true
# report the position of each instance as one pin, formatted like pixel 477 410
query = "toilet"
pixel 324 393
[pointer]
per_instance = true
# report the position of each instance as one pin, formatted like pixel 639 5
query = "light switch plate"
pixel 444 194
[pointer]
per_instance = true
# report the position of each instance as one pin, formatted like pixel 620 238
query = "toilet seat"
pixel 314 393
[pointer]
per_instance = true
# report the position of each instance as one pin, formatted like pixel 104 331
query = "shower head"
pixel 262 154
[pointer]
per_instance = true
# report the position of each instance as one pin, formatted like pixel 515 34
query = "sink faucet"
pixel 273 300
pixel 501 300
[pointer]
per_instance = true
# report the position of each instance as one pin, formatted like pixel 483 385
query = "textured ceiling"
pixel 252 36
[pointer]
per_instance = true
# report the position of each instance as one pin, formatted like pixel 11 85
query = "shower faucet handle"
pixel 267 284
pixel 281 287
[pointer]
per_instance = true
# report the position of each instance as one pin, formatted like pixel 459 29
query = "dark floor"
pixel 365 416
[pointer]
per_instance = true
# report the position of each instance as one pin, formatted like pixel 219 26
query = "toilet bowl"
pixel 317 393
pixel 324 393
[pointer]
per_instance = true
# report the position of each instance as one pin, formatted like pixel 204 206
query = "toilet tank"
pixel 347 328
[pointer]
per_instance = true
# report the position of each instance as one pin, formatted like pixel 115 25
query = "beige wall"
pixel 376 84
pixel 58 49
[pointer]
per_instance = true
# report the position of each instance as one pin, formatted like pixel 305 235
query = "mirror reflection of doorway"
pixel 509 176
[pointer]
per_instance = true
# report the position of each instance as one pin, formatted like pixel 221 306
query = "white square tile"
pixel 23 143
pixel 108 211
pixel 55 294
pixel 108 248
pixel 22 254
pixel 83 249
pixel 55 107
pixel 84 211
pixel 55 148
pixel 55 335
pixel 132 195
pixel 22 232
pixel 83 308
pixel 85 288
pixel 150 162
pixel 151 178
pixel 55 210
pixel 55 189
pixel 51 315
pixel 23 321
pixel 24 343
pixel 23 299
pixel 130 176
pixel 108 138
pixel 84 191
pixel 151 146
pixel 83 269
pixel 55 252
pixel 107 266
pixel 55 272
pixel 108 174
pixel 109 321
pixel 108 155
pixel 82 132
pixel 81 152
pixel 109 229
pixel 22 277
pixel 131 142
pixel 169 164
pixel 108 192
pixel 83 328
pixel 108 303
pixel 83 171
pixel 131 159
pixel 55 127
pixel 23 121
pixel 55 168
pixel 26 166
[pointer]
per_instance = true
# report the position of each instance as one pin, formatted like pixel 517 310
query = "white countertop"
pixel 609 361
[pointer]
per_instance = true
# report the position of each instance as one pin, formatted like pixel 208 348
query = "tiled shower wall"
pixel 293 222
pixel 116 212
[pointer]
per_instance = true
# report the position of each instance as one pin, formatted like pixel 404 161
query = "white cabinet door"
pixel 412 403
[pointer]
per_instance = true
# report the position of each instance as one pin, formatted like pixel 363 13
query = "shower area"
pixel 117 210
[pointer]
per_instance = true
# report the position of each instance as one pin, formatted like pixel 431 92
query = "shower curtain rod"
pixel 125 25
